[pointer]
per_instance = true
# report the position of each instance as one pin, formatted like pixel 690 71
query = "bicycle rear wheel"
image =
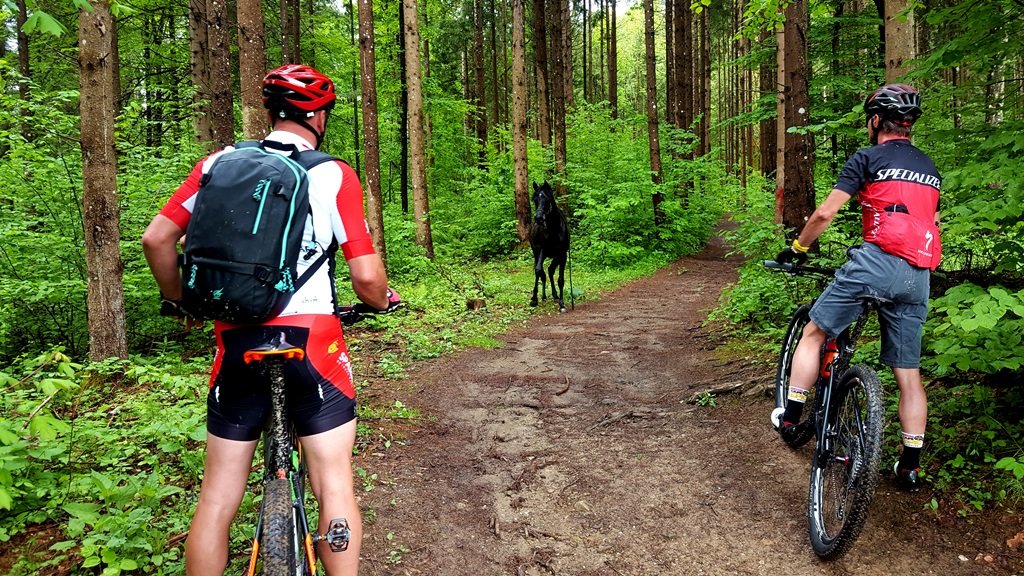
pixel 844 471
pixel 278 540
pixel 782 373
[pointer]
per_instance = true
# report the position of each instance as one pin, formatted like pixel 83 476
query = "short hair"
pixel 896 129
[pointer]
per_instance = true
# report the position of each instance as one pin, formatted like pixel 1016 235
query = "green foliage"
pixel 973 329
pixel 974 430
pixel 109 468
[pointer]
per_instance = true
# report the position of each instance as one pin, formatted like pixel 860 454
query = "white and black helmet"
pixel 899 103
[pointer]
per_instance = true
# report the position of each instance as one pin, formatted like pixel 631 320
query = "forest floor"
pixel 572 449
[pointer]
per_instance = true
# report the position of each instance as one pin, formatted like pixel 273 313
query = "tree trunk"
pixel 291 52
pixel 101 213
pixel 672 98
pixel 899 38
pixel 686 63
pixel 505 86
pixel 519 97
pixel 540 53
pixel 799 189
pixel 23 56
pixel 558 98
pixel 495 97
pixel 602 33
pixel 585 58
pixel 568 93
pixel 780 119
pixel 652 110
pixel 371 138
pixel 221 101
pixel 418 157
pixel 252 65
pixel 200 65
pixel 355 87
pixel 478 72
pixel 768 125
pixel 704 105
pixel 880 8
pixel 613 67
pixel 403 115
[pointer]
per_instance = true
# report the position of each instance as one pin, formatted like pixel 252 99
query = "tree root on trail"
pixel 638 413
pixel 729 387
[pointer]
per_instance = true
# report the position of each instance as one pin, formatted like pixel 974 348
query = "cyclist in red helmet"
pixel 297 93
pixel 322 398
pixel 897 186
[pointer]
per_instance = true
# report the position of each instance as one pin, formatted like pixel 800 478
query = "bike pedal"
pixel 338 535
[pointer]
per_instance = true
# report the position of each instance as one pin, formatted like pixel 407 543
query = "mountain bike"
pixel 283 544
pixel 845 412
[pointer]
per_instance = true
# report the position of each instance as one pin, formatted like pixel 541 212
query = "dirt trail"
pixel 571 450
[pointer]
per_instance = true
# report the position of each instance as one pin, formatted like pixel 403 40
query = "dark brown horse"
pixel 549 238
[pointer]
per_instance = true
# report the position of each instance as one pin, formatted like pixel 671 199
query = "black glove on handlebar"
pixel 791 255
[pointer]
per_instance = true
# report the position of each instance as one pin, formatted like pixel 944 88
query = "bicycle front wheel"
pixel 784 369
pixel 844 471
pixel 278 541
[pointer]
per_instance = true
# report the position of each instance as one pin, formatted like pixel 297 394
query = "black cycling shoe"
pixel 908 479
pixel 789 432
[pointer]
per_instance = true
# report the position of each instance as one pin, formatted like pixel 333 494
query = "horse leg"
pixel 558 264
pixel 538 276
pixel 561 285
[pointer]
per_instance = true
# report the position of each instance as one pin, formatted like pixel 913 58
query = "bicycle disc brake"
pixel 337 536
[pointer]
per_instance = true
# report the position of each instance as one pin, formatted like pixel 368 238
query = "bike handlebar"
pixel 799 270
pixel 355 312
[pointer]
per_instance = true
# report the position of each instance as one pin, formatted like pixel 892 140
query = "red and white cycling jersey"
pixel 898 189
pixel 336 201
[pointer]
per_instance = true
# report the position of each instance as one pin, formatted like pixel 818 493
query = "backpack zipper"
pixel 262 188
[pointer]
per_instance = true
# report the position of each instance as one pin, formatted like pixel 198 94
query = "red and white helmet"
pixel 297 89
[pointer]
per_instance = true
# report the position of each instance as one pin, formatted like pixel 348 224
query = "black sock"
pixel 794 405
pixel 911 456
pixel 793 412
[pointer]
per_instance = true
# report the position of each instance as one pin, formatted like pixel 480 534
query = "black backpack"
pixel 244 238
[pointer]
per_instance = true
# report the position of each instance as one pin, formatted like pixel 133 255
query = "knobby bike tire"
pixel 277 542
pixel 783 370
pixel 843 479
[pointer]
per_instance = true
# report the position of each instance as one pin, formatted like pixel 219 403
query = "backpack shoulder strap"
pixel 248 144
pixel 309 159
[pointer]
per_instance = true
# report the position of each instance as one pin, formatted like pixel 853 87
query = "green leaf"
pixel 83 5
pixel 44 23
pixel 109 556
pixel 85 511
pixel 7 437
pixel 64 546
pixel 6 502
pixel 120 10
pixel 47 427
pixel 91 561
pixel 129 564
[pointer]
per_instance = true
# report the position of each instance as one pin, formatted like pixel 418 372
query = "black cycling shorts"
pixel 320 394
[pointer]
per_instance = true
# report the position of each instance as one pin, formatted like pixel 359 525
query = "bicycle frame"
pixel 831 373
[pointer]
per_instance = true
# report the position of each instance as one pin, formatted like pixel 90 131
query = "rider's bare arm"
pixel 159 244
pixel 823 216
pixel 369 281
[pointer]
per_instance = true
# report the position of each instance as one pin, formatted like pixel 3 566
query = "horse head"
pixel 544 201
